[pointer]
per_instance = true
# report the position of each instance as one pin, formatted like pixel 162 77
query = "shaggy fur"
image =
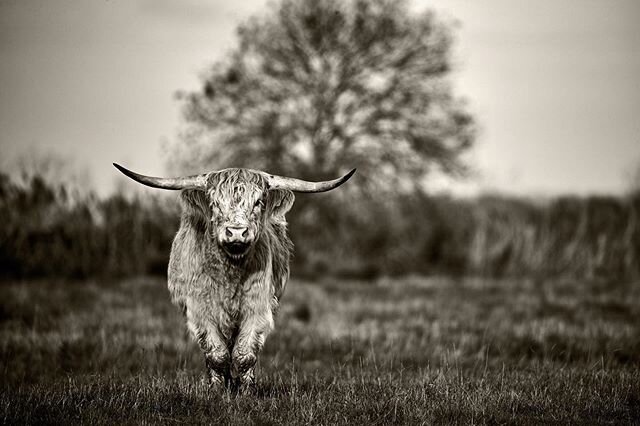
pixel 230 306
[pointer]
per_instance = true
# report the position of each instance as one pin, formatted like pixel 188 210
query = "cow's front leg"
pixel 216 354
pixel 251 337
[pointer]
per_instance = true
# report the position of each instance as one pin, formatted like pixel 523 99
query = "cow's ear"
pixel 280 202
pixel 194 202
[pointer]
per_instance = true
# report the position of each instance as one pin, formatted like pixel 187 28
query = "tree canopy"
pixel 317 87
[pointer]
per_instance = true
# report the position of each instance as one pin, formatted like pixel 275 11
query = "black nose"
pixel 237 234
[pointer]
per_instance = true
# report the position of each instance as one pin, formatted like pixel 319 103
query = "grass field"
pixel 412 350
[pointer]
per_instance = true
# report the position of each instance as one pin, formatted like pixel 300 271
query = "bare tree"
pixel 317 87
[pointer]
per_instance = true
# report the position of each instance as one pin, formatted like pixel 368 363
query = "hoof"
pixel 216 382
pixel 243 386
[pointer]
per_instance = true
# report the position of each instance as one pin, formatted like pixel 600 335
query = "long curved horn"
pixel 195 181
pixel 298 185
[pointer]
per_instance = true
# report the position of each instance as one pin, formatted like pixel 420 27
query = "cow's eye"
pixel 259 204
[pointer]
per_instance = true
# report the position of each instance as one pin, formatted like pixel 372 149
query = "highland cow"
pixel 229 261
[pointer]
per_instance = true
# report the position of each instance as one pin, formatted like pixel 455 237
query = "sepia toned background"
pixel 486 253
pixel 553 85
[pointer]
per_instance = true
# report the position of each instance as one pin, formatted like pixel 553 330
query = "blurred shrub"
pixel 584 237
pixel 491 235
pixel 45 232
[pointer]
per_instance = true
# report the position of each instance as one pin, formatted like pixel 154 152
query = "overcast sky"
pixel 554 84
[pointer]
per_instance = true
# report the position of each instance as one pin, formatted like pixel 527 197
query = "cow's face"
pixel 241 203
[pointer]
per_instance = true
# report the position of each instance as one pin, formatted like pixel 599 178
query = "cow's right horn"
pixel 187 182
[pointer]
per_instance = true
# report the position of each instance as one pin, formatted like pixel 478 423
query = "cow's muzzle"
pixel 236 241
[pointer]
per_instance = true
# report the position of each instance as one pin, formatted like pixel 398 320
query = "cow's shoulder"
pixel 187 256
pixel 281 248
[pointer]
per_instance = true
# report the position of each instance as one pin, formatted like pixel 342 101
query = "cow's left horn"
pixel 195 181
pixel 298 185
